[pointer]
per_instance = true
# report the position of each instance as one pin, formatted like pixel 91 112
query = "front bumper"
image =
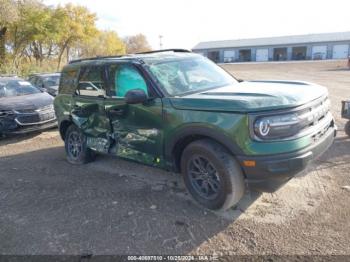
pixel 271 172
pixel 20 123
pixel 32 128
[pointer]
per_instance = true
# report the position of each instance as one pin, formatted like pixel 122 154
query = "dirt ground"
pixel 112 206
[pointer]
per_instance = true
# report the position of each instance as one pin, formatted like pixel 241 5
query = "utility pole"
pixel 160 42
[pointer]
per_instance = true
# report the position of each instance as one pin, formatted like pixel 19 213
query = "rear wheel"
pixel 347 128
pixel 76 148
pixel 212 175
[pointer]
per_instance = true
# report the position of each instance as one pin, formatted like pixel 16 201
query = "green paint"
pixel 146 132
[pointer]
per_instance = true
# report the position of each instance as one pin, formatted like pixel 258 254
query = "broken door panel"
pixel 137 130
pixel 89 115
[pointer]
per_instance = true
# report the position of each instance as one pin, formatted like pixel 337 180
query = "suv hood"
pixel 252 96
pixel 33 101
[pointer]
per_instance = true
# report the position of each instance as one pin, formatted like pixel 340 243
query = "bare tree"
pixel 137 43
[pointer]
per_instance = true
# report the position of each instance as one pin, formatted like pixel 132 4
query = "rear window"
pixel 52 80
pixel 68 81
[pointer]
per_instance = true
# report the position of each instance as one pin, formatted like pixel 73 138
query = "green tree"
pixel 137 43
pixel 44 33
pixel 77 25
pixel 8 15
pixel 104 43
pixel 40 37
pixel 27 28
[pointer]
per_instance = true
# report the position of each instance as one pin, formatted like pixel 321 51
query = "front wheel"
pixel 76 148
pixel 212 175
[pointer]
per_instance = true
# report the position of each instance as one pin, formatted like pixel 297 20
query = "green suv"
pixel 177 110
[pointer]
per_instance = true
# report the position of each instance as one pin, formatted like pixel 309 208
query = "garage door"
pixel 229 56
pixel 262 55
pixel 319 52
pixel 340 51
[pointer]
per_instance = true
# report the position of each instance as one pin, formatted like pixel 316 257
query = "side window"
pixel 125 78
pixel 91 81
pixel 39 83
pixel 32 80
pixel 68 81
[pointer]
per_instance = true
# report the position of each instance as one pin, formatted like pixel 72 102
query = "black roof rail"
pixel 179 50
pixel 93 58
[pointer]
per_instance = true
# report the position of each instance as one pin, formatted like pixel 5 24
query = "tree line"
pixel 38 37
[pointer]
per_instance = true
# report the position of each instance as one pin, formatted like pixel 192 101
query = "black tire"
pixel 75 144
pixel 347 128
pixel 221 172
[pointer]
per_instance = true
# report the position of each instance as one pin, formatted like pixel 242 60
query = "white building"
pixel 297 47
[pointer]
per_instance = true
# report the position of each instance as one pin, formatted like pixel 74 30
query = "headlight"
pixel 274 127
pixel 5 113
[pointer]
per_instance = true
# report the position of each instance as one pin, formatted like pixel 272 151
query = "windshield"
pixel 17 88
pixel 52 80
pixel 190 75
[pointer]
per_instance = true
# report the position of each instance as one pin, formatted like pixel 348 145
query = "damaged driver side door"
pixel 136 128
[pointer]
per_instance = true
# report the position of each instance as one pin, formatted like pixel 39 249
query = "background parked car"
pixel 46 82
pixel 345 113
pixel 23 107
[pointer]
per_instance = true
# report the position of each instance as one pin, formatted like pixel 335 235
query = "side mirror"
pixel 135 96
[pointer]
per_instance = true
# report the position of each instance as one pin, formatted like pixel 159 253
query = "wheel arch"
pixel 175 147
pixel 64 124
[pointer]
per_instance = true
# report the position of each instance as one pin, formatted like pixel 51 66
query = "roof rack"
pixel 93 58
pixel 178 50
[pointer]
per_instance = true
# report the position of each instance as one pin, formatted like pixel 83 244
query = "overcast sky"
pixel 184 23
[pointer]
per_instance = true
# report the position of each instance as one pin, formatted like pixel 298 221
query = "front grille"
pixel 37 118
pixel 313 114
pixel 28 119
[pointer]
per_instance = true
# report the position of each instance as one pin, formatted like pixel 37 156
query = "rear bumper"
pixel 271 172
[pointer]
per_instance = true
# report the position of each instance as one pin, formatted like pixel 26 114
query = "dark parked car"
pixel 345 113
pixel 179 111
pixel 46 82
pixel 23 107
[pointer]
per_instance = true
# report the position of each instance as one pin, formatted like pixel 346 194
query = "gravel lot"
pixel 111 206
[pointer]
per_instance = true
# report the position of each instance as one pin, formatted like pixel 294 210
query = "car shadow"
pixel 334 156
pixel 111 206
pixel 12 139
pixel 15 138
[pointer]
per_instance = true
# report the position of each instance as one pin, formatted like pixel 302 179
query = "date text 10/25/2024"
pixel 173 258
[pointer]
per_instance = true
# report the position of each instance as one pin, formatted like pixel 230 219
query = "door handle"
pixel 116 112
